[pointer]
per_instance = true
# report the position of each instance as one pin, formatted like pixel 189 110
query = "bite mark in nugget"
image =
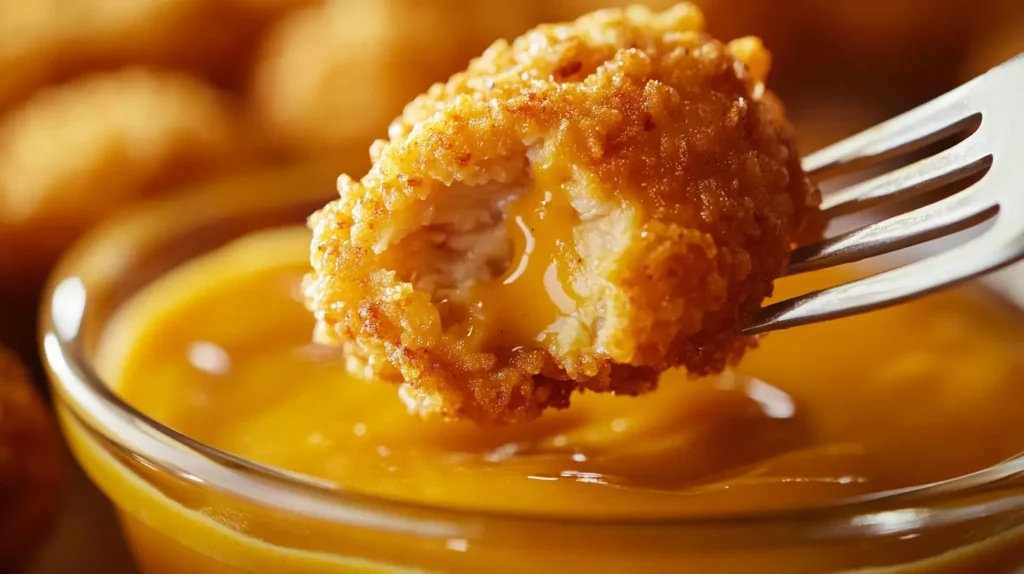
pixel 580 210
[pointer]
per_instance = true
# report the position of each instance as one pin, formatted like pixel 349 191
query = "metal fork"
pixel 991 105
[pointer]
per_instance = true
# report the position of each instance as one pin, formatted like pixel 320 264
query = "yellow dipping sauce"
pixel 220 350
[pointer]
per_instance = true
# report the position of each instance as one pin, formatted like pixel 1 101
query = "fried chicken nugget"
pixel 30 464
pixel 331 77
pixel 580 210
pixel 75 152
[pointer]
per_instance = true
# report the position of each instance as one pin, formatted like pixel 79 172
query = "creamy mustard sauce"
pixel 220 350
pixel 540 225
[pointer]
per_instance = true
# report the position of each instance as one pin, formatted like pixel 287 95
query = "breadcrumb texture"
pixel 30 463
pixel 74 153
pixel 683 195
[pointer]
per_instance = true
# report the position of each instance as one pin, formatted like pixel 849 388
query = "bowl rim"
pixel 77 386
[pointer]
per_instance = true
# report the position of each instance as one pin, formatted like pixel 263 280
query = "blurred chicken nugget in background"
pixel 28 46
pixel 269 9
pixel 75 152
pixel 30 464
pixel 43 41
pixel 331 77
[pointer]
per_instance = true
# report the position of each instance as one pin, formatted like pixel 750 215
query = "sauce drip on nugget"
pixel 580 210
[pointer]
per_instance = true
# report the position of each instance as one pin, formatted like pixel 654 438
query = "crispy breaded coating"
pixel 331 77
pixel 30 465
pixel 724 18
pixel 777 23
pixel 580 210
pixel 75 152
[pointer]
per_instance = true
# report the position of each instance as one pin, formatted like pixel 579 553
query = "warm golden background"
pixel 106 102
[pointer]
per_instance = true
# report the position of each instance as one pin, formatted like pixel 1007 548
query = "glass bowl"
pixel 187 507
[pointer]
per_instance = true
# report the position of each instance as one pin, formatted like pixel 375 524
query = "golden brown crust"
pixel 687 192
pixel 30 466
pixel 75 152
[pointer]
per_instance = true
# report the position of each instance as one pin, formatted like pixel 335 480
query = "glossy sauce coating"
pixel 909 396
pixel 537 291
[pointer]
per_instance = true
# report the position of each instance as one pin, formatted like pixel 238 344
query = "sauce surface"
pixel 919 393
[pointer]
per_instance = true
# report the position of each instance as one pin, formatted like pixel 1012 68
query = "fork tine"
pixel 952 214
pixel 941 117
pixel 949 166
pixel 967 261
